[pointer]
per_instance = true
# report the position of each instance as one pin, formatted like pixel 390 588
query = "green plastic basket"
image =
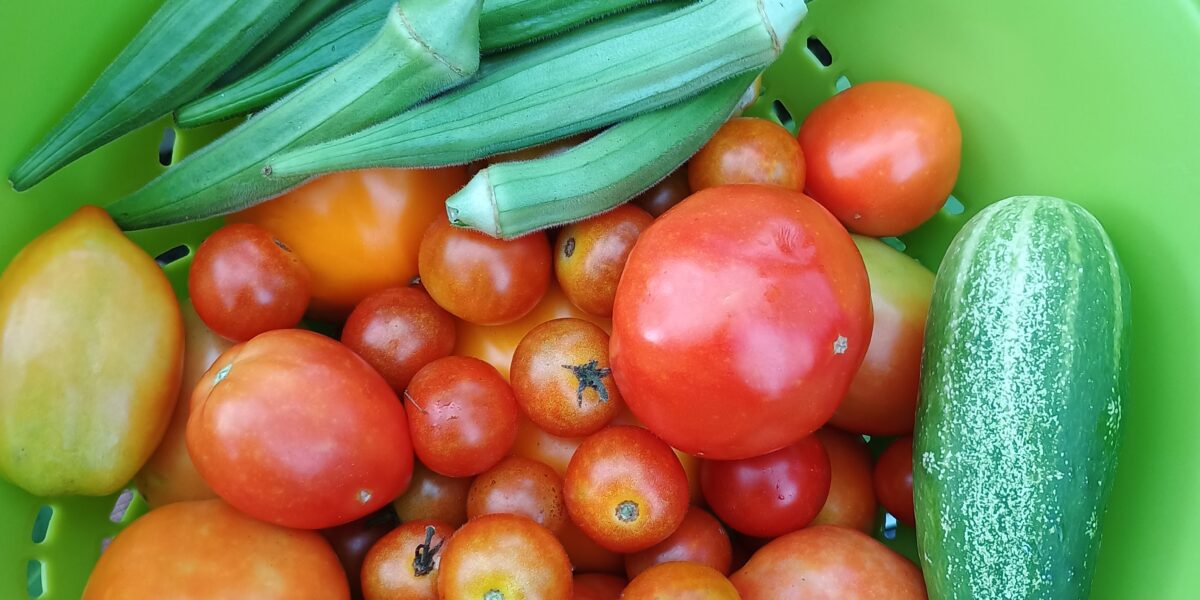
pixel 1095 101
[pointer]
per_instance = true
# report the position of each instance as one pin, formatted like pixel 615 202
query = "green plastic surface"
pixel 1094 101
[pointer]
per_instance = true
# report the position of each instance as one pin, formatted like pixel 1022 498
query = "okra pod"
pixel 182 49
pixel 294 27
pixel 585 79
pixel 513 198
pixel 424 47
pixel 508 23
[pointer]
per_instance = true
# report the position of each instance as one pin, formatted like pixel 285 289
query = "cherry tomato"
pixel 462 416
pixel 169 475
pixel 561 378
pixel 206 549
pixel 882 156
pixel 626 489
pixel 894 480
pixel 598 586
pixel 357 231
pixel 691 464
pixel 433 496
pixel 700 538
pixel 496 344
pixel 520 486
pixel 666 193
pixel 828 562
pixel 263 430
pixel 740 319
pixel 882 399
pixel 405 562
pixel 769 495
pixel 504 556
pixel 351 541
pixel 590 255
pixel 748 150
pixel 851 500
pixel 680 581
pixel 243 282
pixel 482 279
pixel 398 331
pixel 586 555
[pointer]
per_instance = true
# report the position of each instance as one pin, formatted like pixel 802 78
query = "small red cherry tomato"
pixel 692 581
pixel 504 556
pixel 851 500
pixel 404 563
pixel 590 255
pixel 666 193
pixel 519 486
pixel 699 539
pixel 433 497
pixel 398 331
pixel 748 150
pixel 894 480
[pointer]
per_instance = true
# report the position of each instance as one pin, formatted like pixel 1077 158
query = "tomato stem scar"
pixel 423 560
pixel 590 375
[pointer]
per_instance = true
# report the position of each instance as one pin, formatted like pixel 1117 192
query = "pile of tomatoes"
pixel 666 399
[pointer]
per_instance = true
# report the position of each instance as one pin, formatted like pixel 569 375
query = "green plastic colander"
pixel 1097 101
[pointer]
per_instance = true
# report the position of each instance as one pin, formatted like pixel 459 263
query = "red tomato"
pixel 586 555
pixel 851 500
pixel 590 255
pixel 748 150
pixel 243 282
pixel 207 549
pixel 625 489
pixel 398 331
pixel 666 193
pixel 882 399
pixel 520 486
pixel 504 556
pixel 740 319
pixel 433 496
pixel 769 495
pixel 169 475
pixel 882 156
pixel 289 408
pixel 700 538
pixel 482 279
pixel 598 586
pixel 561 378
pixel 351 541
pixel 894 480
pixel 827 562
pixel 405 562
pixel 680 581
pixel 357 231
pixel 462 416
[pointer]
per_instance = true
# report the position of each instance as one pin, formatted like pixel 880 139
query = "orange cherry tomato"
pixel 680 581
pixel 700 538
pixel 520 486
pixel 598 586
pixel 433 496
pixel 398 331
pixel 666 193
pixel 504 556
pixel 590 255
pixel 851 500
pixel 748 150
pixel 357 231
pixel 405 562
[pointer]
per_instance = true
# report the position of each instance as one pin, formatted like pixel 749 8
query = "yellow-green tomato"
pixel 90 359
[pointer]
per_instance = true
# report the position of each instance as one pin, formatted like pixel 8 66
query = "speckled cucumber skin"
pixel 1022 384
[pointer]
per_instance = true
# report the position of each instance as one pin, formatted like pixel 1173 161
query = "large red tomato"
pixel 740 319
pixel 295 429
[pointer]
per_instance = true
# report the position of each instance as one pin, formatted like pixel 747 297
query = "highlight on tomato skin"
pixel 748 150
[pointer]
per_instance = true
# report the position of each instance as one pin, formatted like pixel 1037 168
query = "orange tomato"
pixel 680 581
pixel 851 500
pixel 591 254
pixel 357 231
pixel 504 556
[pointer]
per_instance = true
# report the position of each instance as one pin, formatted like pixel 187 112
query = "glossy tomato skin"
pixel 351 542
pixel 700 539
pixel 625 489
pixel 207 549
pixel 398 331
pixel 506 553
pixel 561 378
pixel 851 500
pixel 357 231
pixel 894 480
pixel 462 416
pixel 590 255
pixel 598 586
pixel 263 410
pixel 520 486
pixel 748 150
pixel 882 399
pixel 769 495
pixel 393 569
pixel 170 475
pixel 680 581
pixel 882 156
pixel 828 562
pixel 666 193
pixel 740 319
pixel 586 555
pixel 433 496
pixel 243 282
pixel 482 279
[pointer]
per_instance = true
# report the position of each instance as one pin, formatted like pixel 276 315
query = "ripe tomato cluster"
pixel 668 398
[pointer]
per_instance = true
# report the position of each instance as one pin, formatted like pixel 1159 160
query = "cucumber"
pixel 1022 384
